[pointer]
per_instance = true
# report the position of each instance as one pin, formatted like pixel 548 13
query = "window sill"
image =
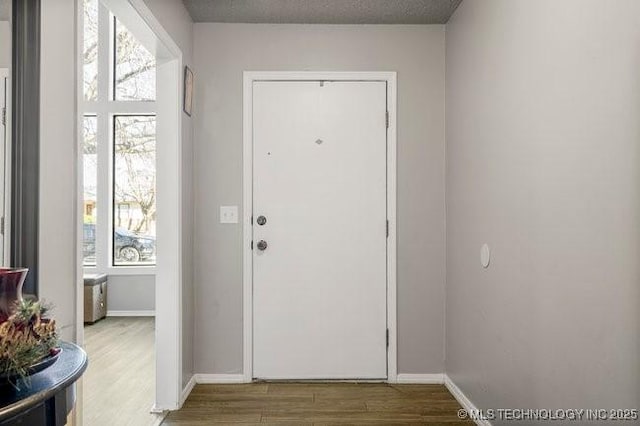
pixel 122 270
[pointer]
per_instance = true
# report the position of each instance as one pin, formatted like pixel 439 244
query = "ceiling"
pixel 5 10
pixel 323 11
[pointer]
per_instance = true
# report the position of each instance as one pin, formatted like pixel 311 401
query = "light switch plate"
pixel 228 214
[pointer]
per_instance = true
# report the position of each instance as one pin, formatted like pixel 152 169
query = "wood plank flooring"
pixel 119 384
pixel 317 404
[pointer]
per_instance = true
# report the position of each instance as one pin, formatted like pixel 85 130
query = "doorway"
pixel 123 117
pixel 119 220
pixel 320 198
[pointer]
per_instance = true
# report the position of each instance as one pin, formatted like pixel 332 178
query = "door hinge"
pixel 252 219
pixel 2 225
pixel 4 116
pixel 387 337
pixel 386 118
pixel 387 229
pixel 251 244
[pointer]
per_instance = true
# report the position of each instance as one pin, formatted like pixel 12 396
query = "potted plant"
pixel 28 339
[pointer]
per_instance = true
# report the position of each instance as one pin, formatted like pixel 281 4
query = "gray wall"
pixel 58 177
pixel 222 53
pixel 543 164
pixel 5 44
pixel 131 293
pixel 5 10
pixel 176 21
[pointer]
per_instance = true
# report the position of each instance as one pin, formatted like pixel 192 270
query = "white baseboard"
pixel 157 410
pixel 131 313
pixel 436 379
pixel 425 379
pixel 220 378
pixel 463 400
pixel 187 390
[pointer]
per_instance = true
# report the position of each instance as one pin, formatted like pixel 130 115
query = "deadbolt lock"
pixel 261 220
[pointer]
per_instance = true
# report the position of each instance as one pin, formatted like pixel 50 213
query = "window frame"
pixel 113 186
pixel 95 231
pixel 106 108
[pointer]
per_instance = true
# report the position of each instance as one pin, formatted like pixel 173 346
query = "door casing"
pixel 247 227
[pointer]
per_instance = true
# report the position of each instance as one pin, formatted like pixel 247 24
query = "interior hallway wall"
pixel 131 293
pixel 222 53
pixel 5 44
pixel 543 164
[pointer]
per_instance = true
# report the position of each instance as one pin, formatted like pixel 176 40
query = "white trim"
pixel 187 390
pixel 131 313
pixel 169 266
pixel 78 412
pixel 119 107
pixel 5 73
pixel 320 75
pixel 463 400
pixel 424 379
pixel 115 271
pixel 392 254
pixel 247 229
pixel 207 379
pixel 168 49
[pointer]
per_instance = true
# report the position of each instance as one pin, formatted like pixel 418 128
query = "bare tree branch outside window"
pixel 90 177
pixel 135 67
pixel 134 166
pixel 90 50
pixel 135 73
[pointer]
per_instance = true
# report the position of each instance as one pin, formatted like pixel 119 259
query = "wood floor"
pixel 119 384
pixel 317 404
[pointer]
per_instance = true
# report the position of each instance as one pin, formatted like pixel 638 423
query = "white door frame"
pixel 5 78
pixel 247 228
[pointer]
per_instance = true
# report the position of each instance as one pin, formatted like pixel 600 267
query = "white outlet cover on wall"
pixel 485 256
pixel 228 214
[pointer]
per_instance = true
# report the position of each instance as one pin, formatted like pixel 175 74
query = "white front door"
pixel 319 206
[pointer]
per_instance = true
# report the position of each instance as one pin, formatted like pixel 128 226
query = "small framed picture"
pixel 188 91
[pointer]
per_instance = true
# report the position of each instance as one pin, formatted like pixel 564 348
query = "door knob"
pixel 261 220
pixel 262 245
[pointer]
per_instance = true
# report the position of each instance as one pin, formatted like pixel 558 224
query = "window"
pixel 90 175
pixel 119 145
pixel 135 68
pixel 134 189
pixel 91 50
